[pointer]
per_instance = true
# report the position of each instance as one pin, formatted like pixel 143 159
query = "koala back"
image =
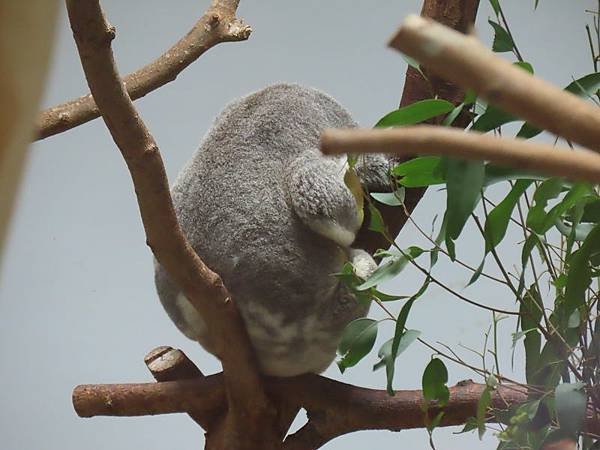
pixel 232 202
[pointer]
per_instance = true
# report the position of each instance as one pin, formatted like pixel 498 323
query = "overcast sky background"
pixel 77 299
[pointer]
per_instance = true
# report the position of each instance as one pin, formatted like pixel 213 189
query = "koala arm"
pixel 319 196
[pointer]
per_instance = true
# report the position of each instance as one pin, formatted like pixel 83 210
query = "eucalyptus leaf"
pixel 464 180
pixel 390 268
pixel 498 218
pixel 356 342
pixel 414 113
pixel 570 402
pixel 434 382
pixel 390 198
pixel 502 40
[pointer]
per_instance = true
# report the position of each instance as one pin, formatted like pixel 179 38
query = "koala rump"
pixel 268 212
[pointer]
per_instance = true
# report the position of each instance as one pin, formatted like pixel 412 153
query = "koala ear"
pixel 321 198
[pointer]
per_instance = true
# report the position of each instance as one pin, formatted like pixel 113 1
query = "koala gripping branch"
pixel 250 418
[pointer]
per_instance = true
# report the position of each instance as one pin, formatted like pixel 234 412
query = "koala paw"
pixel 364 265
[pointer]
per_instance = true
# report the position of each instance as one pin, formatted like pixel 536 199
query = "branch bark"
pixel 459 15
pixel 218 24
pixel 466 62
pixel 433 140
pixel 250 421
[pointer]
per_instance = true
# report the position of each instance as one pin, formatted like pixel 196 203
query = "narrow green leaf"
pixel 390 198
pixel 464 180
pixel 546 191
pixel 579 275
pixel 497 220
pixel 530 313
pixel 434 382
pixel 387 359
pixel 422 171
pixel 502 40
pixel 356 342
pixel 491 119
pixel 376 222
pixel 415 113
pixel 391 268
pixel 477 272
pixel 482 407
pixel 575 194
pixel 495 6
pixel 570 402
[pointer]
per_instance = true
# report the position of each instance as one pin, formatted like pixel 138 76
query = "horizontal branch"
pixel 466 62
pixel 355 407
pixel 217 25
pixel 432 140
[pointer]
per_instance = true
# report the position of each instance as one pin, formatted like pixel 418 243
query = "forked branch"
pixel 249 408
pixel 218 24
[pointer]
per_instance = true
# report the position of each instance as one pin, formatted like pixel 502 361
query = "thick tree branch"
pixel 434 140
pixel 218 24
pixel 459 15
pixel 250 415
pixel 466 62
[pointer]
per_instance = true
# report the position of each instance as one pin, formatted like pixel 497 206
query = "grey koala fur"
pixel 269 213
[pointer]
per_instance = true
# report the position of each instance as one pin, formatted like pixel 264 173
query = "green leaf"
pixel 477 272
pixel 570 402
pixel 502 40
pixel 376 222
pixel 422 171
pixel 491 119
pixel 390 268
pixel 356 342
pixel 591 212
pixel 387 359
pixel 532 241
pixel 575 194
pixel 390 198
pixel 497 220
pixel 415 113
pixel 451 117
pixel 411 62
pixel 482 407
pixel 585 86
pixel 383 297
pixel 495 6
pixel 496 174
pixel 527 67
pixel 464 180
pixel 433 257
pixel 434 382
pixel 546 191
pixel 579 275
pixel 530 313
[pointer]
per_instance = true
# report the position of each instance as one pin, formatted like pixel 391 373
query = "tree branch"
pixel 434 140
pixel 459 15
pixel 249 408
pixel 466 62
pixel 218 24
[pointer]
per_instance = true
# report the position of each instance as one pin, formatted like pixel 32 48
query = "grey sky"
pixel 77 298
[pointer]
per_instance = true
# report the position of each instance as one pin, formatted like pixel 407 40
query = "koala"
pixel 275 219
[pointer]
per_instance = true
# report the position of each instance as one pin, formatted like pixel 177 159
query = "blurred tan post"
pixel 26 36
